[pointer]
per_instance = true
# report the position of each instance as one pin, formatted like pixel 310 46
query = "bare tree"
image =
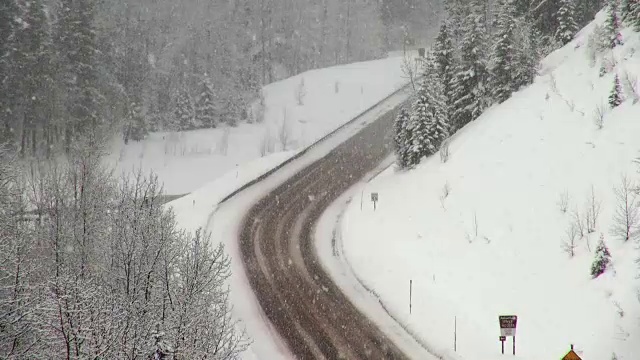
pixel 563 201
pixel 593 211
pixel 301 92
pixel 410 70
pixel 444 151
pixel 598 115
pixel 626 220
pixel 283 133
pixel 631 86
pixel 446 189
pixel 578 222
pixel 572 234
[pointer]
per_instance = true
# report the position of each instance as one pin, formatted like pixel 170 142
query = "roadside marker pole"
pixel 455 333
pixel 410 293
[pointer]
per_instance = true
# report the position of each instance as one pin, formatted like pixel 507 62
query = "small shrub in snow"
pixel 593 211
pixel 563 201
pixel 444 151
pixel 301 92
pixel 283 132
pixel 612 26
pixel 569 244
pixel 630 84
pixel 336 87
pixel 615 97
pixel 602 259
pixel 446 189
pixel 598 116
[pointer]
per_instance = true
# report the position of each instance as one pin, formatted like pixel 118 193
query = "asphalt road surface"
pixel 276 242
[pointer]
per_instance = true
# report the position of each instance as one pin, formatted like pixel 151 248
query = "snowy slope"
pixel 188 160
pixel 493 246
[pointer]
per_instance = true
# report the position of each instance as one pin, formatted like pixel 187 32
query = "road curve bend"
pixel 276 244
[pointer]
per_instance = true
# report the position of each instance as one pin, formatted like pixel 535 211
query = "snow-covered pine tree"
pixel 444 53
pixel 401 136
pixel 8 25
pixel 420 127
pixel 615 97
pixel 625 9
pixel 503 53
pixel 76 42
pixel 205 108
pixel 602 259
pixel 612 27
pixel 184 112
pixel 136 126
pixel 437 102
pixel 528 53
pixel 567 26
pixel 470 96
pixel 634 15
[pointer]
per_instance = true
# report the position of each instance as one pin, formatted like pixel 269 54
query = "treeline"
pixel 94 268
pixel 69 67
pixel 483 53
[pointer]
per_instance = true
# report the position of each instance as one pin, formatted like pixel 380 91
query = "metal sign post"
pixel 374 199
pixel 508 328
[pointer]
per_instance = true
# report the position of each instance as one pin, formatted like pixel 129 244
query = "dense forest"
pixel 71 67
pixel 485 51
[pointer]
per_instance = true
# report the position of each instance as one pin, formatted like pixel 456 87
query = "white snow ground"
pixel 202 207
pixel 186 161
pixel 493 245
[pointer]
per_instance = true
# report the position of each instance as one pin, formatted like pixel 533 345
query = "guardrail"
pixel 305 150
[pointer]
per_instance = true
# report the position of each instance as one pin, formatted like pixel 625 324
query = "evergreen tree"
pixel 612 28
pixel 602 259
pixel 437 103
pixel 420 127
pixel 626 7
pixel 32 81
pixel 615 98
pixel 444 53
pixel 205 108
pixel 567 26
pixel 76 42
pixel 470 96
pixel 136 124
pixel 503 61
pixel 527 55
pixel 634 15
pixel 401 138
pixel 184 112
pixel 9 12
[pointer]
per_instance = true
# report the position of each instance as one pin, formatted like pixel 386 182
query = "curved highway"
pixel 309 311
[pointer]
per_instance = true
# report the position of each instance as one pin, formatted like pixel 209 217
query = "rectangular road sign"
pixel 374 196
pixel 508 325
pixel 503 338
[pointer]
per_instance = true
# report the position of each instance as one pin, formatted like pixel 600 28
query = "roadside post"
pixel 508 328
pixel 374 199
pixel 410 293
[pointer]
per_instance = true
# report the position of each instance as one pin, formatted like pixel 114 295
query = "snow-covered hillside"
pixel 188 160
pixel 484 234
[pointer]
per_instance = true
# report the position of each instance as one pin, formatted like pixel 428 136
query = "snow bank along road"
pixel 309 311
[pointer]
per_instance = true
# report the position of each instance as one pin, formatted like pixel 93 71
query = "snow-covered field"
pixel 493 245
pixel 188 160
